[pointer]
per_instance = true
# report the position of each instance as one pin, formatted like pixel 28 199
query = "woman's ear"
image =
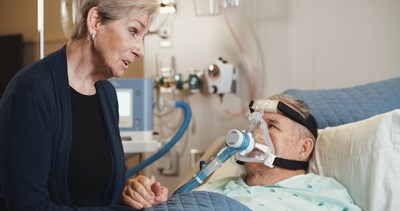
pixel 93 20
pixel 306 148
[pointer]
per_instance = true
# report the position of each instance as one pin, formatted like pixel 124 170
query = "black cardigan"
pixel 35 138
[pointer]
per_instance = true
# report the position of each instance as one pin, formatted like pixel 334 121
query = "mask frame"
pixel 266 153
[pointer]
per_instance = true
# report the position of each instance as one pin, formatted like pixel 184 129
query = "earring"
pixel 91 36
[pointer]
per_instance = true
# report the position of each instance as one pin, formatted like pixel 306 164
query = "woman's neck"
pixel 81 75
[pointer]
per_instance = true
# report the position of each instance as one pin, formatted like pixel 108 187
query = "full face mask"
pixel 264 152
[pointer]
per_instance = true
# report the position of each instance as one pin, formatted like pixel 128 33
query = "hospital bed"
pixel 358 145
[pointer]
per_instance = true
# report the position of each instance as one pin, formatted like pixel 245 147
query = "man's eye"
pixel 272 126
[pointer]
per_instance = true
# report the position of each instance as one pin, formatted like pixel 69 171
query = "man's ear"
pixel 306 148
pixel 93 20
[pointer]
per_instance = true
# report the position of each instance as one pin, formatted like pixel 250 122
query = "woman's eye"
pixel 133 32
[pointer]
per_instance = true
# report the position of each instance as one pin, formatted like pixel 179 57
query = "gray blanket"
pixel 200 201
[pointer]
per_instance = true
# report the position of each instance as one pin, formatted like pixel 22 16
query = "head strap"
pixel 286 164
pixel 308 122
pixel 292 114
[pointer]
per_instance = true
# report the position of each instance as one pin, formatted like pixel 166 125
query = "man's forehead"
pixel 275 117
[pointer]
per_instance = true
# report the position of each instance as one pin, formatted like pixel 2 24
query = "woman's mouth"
pixel 126 63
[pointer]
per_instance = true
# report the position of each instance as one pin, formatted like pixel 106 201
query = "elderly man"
pixel 287 136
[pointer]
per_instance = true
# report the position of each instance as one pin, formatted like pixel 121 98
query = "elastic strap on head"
pixel 308 122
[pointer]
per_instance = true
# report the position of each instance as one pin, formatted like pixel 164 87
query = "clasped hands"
pixel 142 192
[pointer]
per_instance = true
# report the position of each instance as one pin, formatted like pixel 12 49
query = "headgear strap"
pixel 308 122
pixel 286 164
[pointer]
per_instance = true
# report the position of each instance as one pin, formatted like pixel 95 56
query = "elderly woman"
pixel 60 147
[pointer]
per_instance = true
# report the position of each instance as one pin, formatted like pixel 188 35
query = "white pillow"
pixel 364 156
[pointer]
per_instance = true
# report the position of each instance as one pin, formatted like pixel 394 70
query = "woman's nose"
pixel 138 48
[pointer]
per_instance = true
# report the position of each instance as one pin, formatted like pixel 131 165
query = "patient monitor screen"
pixel 125 107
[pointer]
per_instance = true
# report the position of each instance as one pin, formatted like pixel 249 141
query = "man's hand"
pixel 143 192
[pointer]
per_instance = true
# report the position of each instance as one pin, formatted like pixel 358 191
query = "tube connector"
pixel 240 141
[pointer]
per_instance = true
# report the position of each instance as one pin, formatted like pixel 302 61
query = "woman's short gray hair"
pixel 110 10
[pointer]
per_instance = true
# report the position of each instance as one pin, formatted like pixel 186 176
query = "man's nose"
pixel 257 134
pixel 257 130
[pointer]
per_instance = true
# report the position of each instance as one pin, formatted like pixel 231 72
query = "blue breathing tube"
pixel 166 148
pixel 169 145
pixel 236 141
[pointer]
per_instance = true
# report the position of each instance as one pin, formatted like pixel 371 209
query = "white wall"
pixel 308 44
pixel 197 42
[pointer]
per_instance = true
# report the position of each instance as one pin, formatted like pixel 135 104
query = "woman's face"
pixel 119 42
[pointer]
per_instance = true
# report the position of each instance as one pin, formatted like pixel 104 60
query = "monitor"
pixel 135 106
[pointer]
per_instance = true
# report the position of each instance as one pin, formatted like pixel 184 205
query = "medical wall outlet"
pixel 165 73
pixel 222 77
pixel 167 82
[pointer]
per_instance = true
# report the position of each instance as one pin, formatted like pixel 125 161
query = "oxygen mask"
pixel 263 150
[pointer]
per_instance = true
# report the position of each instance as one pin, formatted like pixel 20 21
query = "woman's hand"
pixel 143 192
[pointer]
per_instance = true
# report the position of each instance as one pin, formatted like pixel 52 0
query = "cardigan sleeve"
pixel 25 152
pixel 26 139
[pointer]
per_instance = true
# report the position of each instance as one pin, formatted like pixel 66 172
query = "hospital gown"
pixel 302 192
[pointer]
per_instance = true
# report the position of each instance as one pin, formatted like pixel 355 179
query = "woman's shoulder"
pixel 28 80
